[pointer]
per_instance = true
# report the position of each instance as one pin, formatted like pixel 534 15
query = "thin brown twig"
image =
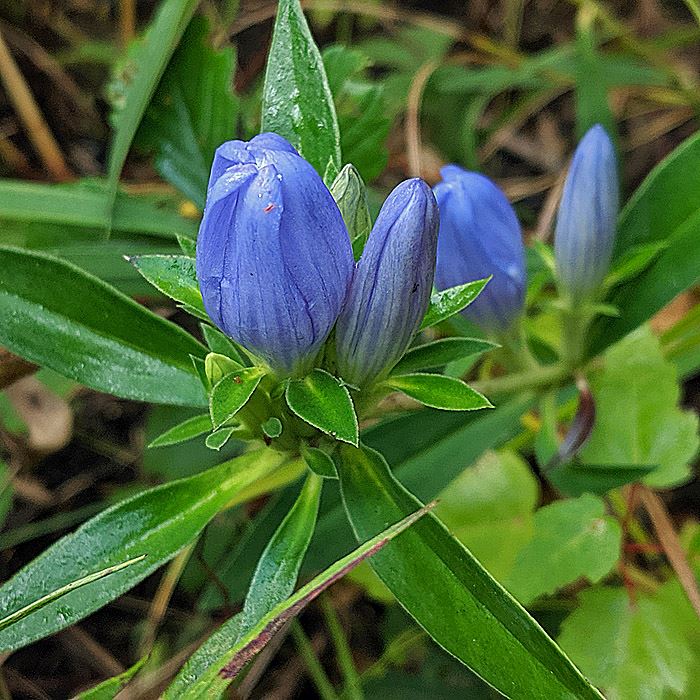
pixel 127 21
pixel 549 209
pixel 668 539
pixel 13 368
pixel 415 96
pixel 28 111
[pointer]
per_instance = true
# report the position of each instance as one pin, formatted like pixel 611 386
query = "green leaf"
pixel 145 66
pixel 440 353
pixel 86 204
pixel 232 392
pixel 221 344
pixel 157 523
pixel 629 649
pixel 188 246
pixel 34 606
pixel 665 208
pixel 297 102
pixel 350 194
pixel 323 401
pixel 361 106
pixel 634 261
pixel 571 539
pixel 188 429
pixel 652 429
pixel 438 391
pixel 219 438
pixel 319 462
pixel 449 593
pixel 107 690
pixel 451 301
pixel 193 111
pixel 58 316
pixel 577 479
pixel 220 670
pixel 489 507
pixel 174 275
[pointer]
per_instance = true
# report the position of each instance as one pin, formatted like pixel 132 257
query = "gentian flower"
pixel 587 218
pixel 391 287
pixel 480 236
pixel 274 259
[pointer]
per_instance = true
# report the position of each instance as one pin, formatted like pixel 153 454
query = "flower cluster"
pixel 276 269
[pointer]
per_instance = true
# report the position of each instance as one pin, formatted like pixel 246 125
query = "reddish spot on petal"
pixel 269 208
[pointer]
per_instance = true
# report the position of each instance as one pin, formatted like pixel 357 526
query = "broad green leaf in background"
pixel 297 102
pixel 681 344
pixel 85 204
pixel 489 507
pixel 232 392
pixel 632 650
pixel 107 690
pixel 665 207
pixel 174 275
pixel 440 353
pixel 193 111
pixel 157 523
pixel 145 66
pixel 571 539
pixel 324 402
pixel 230 661
pixel 438 391
pixel 450 594
pixel 451 301
pixel 652 429
pixel 362 111
pixel 56 315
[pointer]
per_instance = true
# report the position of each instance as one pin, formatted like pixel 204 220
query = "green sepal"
pixel 231 393
pixel 272 427
pixel 217 439
pixel 217 366
pixel 350 194
pixel 319 462
pixel 221 344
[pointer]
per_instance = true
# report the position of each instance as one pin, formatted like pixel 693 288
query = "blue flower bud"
pixel 274 259
pixel 391 287
pixel 480 236
pixel 587 218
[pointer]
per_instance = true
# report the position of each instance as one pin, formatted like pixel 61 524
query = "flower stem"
pixel 542 377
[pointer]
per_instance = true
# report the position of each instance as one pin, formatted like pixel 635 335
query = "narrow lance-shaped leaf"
pixel 450 594
pixel 451 301
pixel 297 102
pixel 188 429
pixel 56 315
pixel 158 523
pixel 438 391
pixel 107 690
pixel 273 582
pixel 232 660
pixel 441 352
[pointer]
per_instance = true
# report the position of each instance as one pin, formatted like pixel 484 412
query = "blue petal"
pixel 480 236
pixel 587 217
pixel 390 291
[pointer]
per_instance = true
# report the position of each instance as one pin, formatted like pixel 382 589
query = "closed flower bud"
pixel 274 260
pixel 480 236
pixel 587 218
pixel 391 287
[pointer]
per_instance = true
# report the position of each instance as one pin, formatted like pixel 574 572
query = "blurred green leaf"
pixel 681 343
pixel 571 538
pixel 438 391
pixel 652 429
pixel 297 102
pixel 5 492
pixel 665 207
pixel 80 327
pixel 144 67
pixel 449 593
pixel 324 402
pixel 158 523
pixel 440 353
pixel 489 507
pixel 361 108
pixel 350 195
pixel 193 111
pixel 631 650
pixel 576 479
